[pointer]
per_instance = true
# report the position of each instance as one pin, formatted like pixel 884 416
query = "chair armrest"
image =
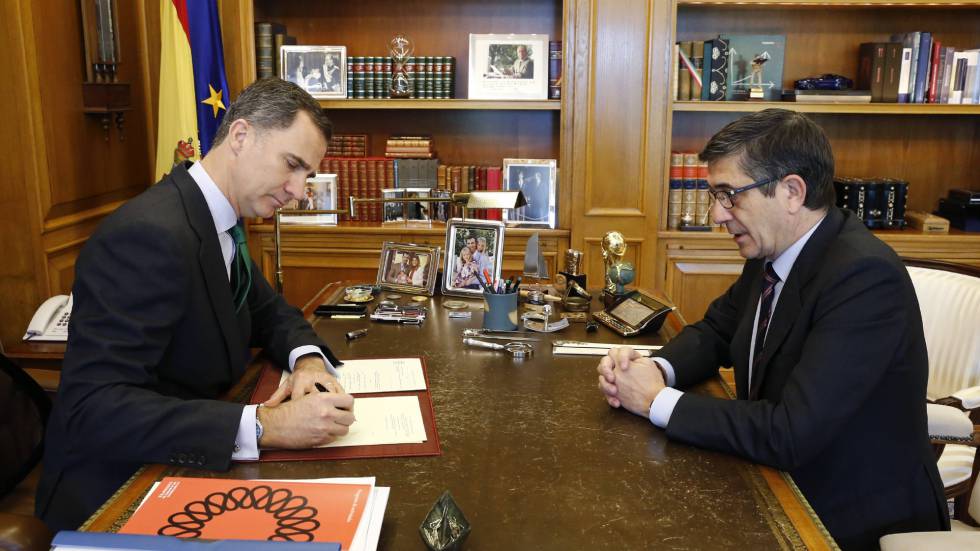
pixel 948 424
pixel 967 399
pixel 23 532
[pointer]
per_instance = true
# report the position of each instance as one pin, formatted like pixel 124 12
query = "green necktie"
pixel 241 267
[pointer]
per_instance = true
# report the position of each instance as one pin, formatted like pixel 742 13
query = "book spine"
pixel 914 38
pixel 264 41
pixel 450 77
pixel 675 83
pixel 350 77
pixel 554 70
pixel 437 69
pixel 697 61
pixel 893 69
pixel 933 72
pixel 706 72
pixel 684 69
pixel 948 76
pixel 903 79
pixel 689 197
pixel 675 193
pixel 703 199
pixel 922 69
pixel 719 69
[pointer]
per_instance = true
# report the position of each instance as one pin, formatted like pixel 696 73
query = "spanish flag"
pixel 193 88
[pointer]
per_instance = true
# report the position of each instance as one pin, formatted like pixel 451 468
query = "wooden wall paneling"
pixel 620 117
pixel 238 39
pixel 22 272
pixel 694 278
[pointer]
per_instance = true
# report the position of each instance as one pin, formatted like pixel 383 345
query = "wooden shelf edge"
pixel 445 104
pixel 837 108
pixel 375 228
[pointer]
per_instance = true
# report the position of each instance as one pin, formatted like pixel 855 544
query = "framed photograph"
pixel 393 212
pixel 508 66
pixel 409 268
pixel 537 178
pixel 319 193
pixel 320 70
pixel 472 247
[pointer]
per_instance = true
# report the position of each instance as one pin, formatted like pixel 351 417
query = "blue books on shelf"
pixel 765 51
pixel 67 540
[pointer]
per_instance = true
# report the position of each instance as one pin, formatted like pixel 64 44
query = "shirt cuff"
pixel 663 406
pixel 246 445
pixel 310 349
pixel 668 370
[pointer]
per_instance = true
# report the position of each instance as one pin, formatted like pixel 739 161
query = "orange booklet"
pixel 212 508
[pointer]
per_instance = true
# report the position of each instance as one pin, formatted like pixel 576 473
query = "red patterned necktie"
pixel 765 312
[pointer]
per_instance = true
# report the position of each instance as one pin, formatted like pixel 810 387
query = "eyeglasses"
pixel 727 196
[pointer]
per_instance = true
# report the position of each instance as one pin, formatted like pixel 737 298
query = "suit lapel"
pixel 742 338
pixel 212 264
pixel 790 303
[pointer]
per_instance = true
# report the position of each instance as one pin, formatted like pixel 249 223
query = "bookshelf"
pixel 464 131
pixel 932 146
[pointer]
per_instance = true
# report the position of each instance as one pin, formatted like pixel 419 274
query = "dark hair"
pixel 273 103
pixel 774 143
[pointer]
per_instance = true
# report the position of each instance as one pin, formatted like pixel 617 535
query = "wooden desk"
pixel 41 360
pixel 537 460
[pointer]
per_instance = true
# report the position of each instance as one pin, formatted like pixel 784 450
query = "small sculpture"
pixel 613 249
pixel 401 48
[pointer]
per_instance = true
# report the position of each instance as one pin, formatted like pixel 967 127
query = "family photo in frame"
pixel 508 66
pixel 408 268
pixel 320 70
pixel 319 193
pixel 474 250
pixel 537 178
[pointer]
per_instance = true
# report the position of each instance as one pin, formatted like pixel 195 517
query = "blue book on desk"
pixel 66 540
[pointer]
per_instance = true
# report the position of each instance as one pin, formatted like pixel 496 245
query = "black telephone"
pixel 633 314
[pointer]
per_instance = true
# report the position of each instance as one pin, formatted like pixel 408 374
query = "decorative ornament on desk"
pixel 444 528
pixel 618 272
pixel 401 48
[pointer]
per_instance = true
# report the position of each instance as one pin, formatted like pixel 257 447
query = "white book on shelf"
pixel 971 88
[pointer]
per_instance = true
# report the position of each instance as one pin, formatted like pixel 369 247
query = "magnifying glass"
pixel 519 350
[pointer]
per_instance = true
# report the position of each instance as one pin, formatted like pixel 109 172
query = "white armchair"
pixel 949 299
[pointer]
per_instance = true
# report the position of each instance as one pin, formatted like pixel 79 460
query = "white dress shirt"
pixel 246 445
pixel 663 405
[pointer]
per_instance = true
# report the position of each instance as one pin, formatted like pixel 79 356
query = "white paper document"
pixel 384 420
pixel 384 375
pixel 579 351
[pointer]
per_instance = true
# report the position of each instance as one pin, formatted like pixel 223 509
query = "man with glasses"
pixel 824 332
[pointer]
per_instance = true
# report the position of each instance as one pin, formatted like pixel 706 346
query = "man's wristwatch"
pixel 258 430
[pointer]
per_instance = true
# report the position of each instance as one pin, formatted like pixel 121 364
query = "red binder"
pixel 269 381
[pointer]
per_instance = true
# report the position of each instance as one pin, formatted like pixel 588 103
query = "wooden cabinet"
pixel 932 146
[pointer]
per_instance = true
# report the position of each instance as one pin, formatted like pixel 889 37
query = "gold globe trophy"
pixel 401 48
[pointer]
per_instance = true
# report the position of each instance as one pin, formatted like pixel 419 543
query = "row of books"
pixel 554 69
pixel 348 145
pixel 369 177
pixel 431 77
pixel 409 147
pixel 688 199
pixel 729 67
pixel 916 68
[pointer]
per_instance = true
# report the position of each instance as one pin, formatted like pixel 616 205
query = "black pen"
pixel 321 388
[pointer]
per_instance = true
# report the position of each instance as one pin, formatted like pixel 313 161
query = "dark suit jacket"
pixel 153 341
pixel 839 397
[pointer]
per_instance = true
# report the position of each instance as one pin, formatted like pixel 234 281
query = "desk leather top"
pixel 537 460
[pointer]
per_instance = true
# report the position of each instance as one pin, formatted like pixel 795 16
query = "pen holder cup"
pixel 500 311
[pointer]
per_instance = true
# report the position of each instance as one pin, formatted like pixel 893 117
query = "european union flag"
pixel 210 84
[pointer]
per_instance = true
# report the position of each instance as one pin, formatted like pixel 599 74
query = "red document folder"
pixel 269 381
pixel 217 509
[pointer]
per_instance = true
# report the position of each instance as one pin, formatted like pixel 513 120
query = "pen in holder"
pixel 500 311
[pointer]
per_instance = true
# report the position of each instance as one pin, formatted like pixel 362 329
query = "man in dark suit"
pixel 833 388
pixel 167 304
